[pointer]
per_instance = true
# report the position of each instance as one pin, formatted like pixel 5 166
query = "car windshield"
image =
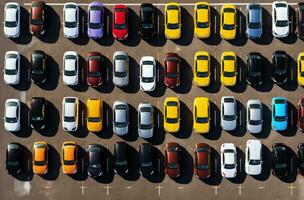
pixel 229 117
pixel 69 72
pixel 10 71
pixel 147 79
pixel 120 74
pixel 69 119
pixel 70 24
pixel 39 163
pixel 36 118
pixel 146 126
pixel 146 164
pixel 12 163
pixel 10 24
pixel 202 120
pixel 254 162
pixel 229 74
pixel 172 120
pixel 95 25
pixel 228 26
pixel 202 167
pixel 120 26
pixel 202 24
pixel 121 124
pixel 202 74
pixel 172 165
pixel 94 74
pixel 94 119
pixel 280 118
pixel 37 71
pixel 255 122
pixel 69 162
pixel 280 165
pixel 282 23
pixel 254 25
pixel 229 166
pixel 173 26
pixel 147 26
pixel 11 119
pixel 171 75
pixel 37 22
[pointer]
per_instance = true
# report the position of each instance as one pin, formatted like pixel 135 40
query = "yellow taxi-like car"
pixel 301 69
pixel 228 22
pixel 172 114
pixel 202 20
pixel 201 71
pixel 94 115
pixel 40 158
pixel 172 21
pixel 201 115
pixel 69 158
pixel 228 69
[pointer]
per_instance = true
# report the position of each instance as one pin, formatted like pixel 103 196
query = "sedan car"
pixel 280 19
pixel 11 23
pixel 280 65
pixel 301 158
pixel 12 113
pixel 120 22
pixel 300 20
pixel 279 160
pixel 201 115
pixel 255 70
pixel 38 113
pixel 40 158
pixel 70 69
pixel 121 68
pixel 11 71
pixel 95 20
pixel 145 152
pixel 172 70
pixel 301 114
pixel 201 69
pixel 147 73
pixel 253 158
pixel 14 158
pixel 254 116
pixel 228 69
pixel 121 164
pixel 69 157
pixel 171 115
pixel 202 25
pixel 279 113
pixel 94 69
pixel 94 115
pixel 39 67
pixel 254 21
pixel 147 23
pixel 228 113
pixel 145 120
pixel 172 18
pixel 94 154
pixel 70 20
pixel 37 18
pixel 172 159
pixel 70 109
pixel 202 160
pixel 300 76
pixel 228 160
pixel 120 118
pixel 228 22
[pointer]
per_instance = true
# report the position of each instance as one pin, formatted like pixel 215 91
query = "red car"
pixel 94 69
pixel 301 114
pixel 120 24
pixel 202 163
pixel 172 159
pixel 172 70
pixel 37 18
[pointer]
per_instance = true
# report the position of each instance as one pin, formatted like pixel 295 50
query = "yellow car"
pixel 172 115
pixel 201 113
pixel 172 21
pixel 202 20
pixel 94 115
pixel 69 158
pixel 40 158
pixel 201 71
pixel 228 69
pixel 228 22
pixel 301 69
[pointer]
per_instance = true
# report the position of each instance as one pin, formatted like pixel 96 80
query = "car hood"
pixel 228 125
pixel 120 34
pixel 11 79
pixel 11 31
pixel 253 169
pixel 171 82
pixel 172 172
pixel 121 81
pixel 70 169
pixel 148 86
pixel 70 80
pixel 13 170
pixel 254 33
pixel 281 31
pixel 37 29
pixel 70 32
pixel 38 78
pixel 94 171
pixel 95 33
pixel 94 81
pixel 229 173
pixel 94 126
pixel 173 34
pixel 12 126
pixel 70 126
pixel 202 173
pixel 254 128
pixel 145 133
pixel 39 169
pixel 279 126
pixel 121 130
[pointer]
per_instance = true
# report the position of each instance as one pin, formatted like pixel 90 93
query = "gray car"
pixel 254 21
pixel 145 120
pixel 120 68
pixel 120 118
pixel 228 113
pixel 254 116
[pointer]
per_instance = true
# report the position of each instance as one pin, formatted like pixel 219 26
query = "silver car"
pixel 228 113
pixel 145 120
pixel 120 118
pixel 120 68
pixel 254 116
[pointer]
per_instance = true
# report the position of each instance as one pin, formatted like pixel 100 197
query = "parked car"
pixel 300 76
pixel 70 69
pixel 255 75
pixel 11 71
pixel 120 22
pixel 202 21
pixel 147 22
pixel 94 153
pixel 145 152
pixel 95 20
pixel 280 19
pixel 228 22
pixel 38 113
pixel 254 21
pixel 14 158
pixel 11 23
pixel 70 20
pixel 229 69
pixel 253 160
pixel 39 67
pixel 301 114
pixel 121 164
pixel 70 109
pixel 94 114
pixel 228 160
pixel 172 18
pixel 12 113
pixel 172 159
pixel 37 18
pixel 279 113
pixel 254 116
pixel 280 65
pixel 172 70
pixel 95 69
pixel 121 68
pixel 201 69
pixel 202 161
pixel 201 115
pixel 301 158
pixel 279 160
pixel 40 157
pixel 300 20
pixel 145 120
pixel 69 157
pixel 172 115
pixel 147 73
pixel 228 113
pixel 120 118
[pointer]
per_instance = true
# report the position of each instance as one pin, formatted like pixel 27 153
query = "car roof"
pixel 120 15
pixel 120 149
pixel 40 151
pixel 254 13
pixel 94 106
pixel 145 152
pixel 255 147
pixel 69 107
pixel 70 12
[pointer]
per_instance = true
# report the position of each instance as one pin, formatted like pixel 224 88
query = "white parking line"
pixel 261 187
pixel 291 187
pixel 159 188
pixel 240 189
pixel 129 187
pixel 23 96
pixel 215 189
pixel 82 187
pixel 108 189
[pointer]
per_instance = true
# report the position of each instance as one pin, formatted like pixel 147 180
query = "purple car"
pixel 95 21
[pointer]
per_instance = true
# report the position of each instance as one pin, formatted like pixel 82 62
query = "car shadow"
pixel 52 120
pixel 292 167
pixel 241 84
pixel 25 82
pixel 52 31
pixel 81 174
pixel 82 130
pixel 267 36
pixel 215 129
pixel 241 38
pixel 159 171
pixel 214 38
pixel 133 39
pixel 160 88
pixel 241 121
pixel 185 122
pixel 25 130
pixel 159 133
pixel 106 132
pixel 292 121
pixel 267 83
pixel 83 38
pixel 266 126
pixel 291 83
pixel 241 174
pixel 187 27
pixel 25 37
pixel 132 134
pixel 26 173
pixel 133 86
pixel 186 162
pixel 107 167
pixel 53 73
pixel 82 85
pixel 215 83
pixel 215 177
pixel 266 165
pixel 53 164
pixel 186 77
pixel 292 37
pixel 107 86
pixel 133 159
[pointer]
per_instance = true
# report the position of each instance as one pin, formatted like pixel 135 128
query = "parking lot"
pixel 56 185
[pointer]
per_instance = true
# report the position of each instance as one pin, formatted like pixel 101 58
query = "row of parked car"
pixel 148 22
pixel 171 120
pixel 96 159
pixel 202 67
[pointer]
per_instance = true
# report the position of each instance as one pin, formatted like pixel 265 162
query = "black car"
pixel 301 158
pixel 145 159
pixel 38 110
pixel 39 65
pixel 147 25
pixel 279 160
pixel 13 158
pixel 94 160
pixel 120 158
pixel 254 69
pixel 280 62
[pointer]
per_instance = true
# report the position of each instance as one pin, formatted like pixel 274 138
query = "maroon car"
pixel 37 18
pixel 202 163
pixel 94 69
pixel 301 114
pixel 172 159
pixel 300 20
pixel 172 70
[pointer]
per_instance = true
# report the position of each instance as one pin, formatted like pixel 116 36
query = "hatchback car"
pixel 70 109
pixel 172 70
pixel 147 73
pixel 120 118
pixel 11 23
pixel 254 21
pixel 95 20
pixel 94 69
pixel 301 114
pixel 145 152
pixel 11 71
pixel 70 69
pixel 172 17
pixel 120 22
pixel 279 160
pixel 94 115
pixel 228 160
pixel 94 154
pixel 172 114
pixel 69 157
pixel 279 114
pixel 254 116
pixel 40 158
pixel 201 69
pixel 253 158
pixel 38 113
pixel 280 19
pixel 39 67
pixel 121 68
pixel 300 76
pixel 228 113
pixel 300 20
pixel 145 120
pixel 228 22
pixel 202 160
pixel 172 159
pixel 255 75
pixel 14 158
pixel 147 23
pixel 229 69
pixel 201 115
pixel 202 25
pixel 70 20
pixel 12 113
pixel 37 18
pixel 120 153
pixel 301 158
pixel 280 65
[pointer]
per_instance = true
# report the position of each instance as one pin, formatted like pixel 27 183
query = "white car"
pixel 254 116
pixel 70 107
pixel 228 113
pixel 228 160
pixel 70 68
pixel 121 68
pixel 253 162
pixel 147 74
pixel 145 120
pixel 12 115
pixel 120 118
pixel 11 71
pixel 280 19
pixel 70 20
pixel 11 23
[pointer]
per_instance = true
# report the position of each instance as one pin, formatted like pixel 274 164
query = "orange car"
pixel 40 158
pixel 69 158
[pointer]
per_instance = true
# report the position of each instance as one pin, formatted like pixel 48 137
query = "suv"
pixel 280 19
pixel 254 116
pixel 120 118
pixel 145 120
pixel 11 23
pixel 121 68
pixel 12 115
pixel 121 165
pixel 146 167
pixel 254 20
pixel 70 20
pixel 70 113
pixel 38 113
pixel 253 161
pixel 39 67
pixel 37 18
pixel 228 113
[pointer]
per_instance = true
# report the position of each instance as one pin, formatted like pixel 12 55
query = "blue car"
pixel 254 21
pixel 279 114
